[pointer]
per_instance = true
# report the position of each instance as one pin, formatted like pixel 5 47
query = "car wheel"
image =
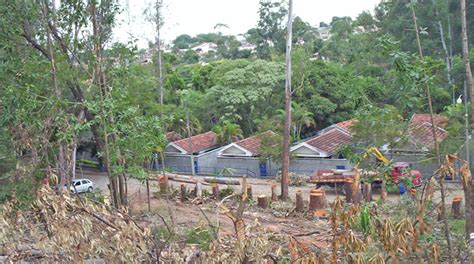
pixel 90 189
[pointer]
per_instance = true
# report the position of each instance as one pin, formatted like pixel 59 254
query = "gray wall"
pixel 307 166
pixel 418 162
pixel 210 163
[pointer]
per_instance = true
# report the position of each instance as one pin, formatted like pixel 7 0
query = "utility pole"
pixel 288 92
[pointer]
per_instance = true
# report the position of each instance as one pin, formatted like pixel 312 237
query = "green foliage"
pixel 200 236
pixel 23 190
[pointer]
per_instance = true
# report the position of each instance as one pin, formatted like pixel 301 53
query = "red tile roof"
pixel 252 144
pixel 330 141
pixel 199 142
pixel 421 135
pixel 438 120
pixel 346 124
pixel 173 136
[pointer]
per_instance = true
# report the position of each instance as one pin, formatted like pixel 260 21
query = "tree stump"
pixel 215 191
pixel 316 200
pixel 348 190
pixel 299 202
pixel 183 192
pixel 367 192
pixel 163 183
pixel 198 189
pixel 383 192
pixel 262 201
pixel 274 193
pixel 249 192
pixel 456 207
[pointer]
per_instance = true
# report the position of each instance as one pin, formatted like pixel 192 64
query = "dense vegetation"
pixel 66 86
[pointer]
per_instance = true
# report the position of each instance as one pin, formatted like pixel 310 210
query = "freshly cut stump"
pixel 215 191
pixel 262 201
pixel 456 207
pixel 317 200
pixel 163 182
pixel 249 192
pixel 274 193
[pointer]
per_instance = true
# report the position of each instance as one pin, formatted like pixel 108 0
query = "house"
pixel 203 148
pixel 323 150
pixel 205 47
pixel 244 158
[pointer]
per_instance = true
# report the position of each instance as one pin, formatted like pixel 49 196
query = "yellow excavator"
pixel 334 177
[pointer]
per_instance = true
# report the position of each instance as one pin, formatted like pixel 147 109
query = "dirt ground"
pixel 188 215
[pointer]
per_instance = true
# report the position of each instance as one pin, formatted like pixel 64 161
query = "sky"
pixel 200 16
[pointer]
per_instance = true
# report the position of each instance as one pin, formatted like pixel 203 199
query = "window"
pixel 85 181
pixel 77 183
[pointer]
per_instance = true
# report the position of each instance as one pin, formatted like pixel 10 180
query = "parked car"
pixel 81 185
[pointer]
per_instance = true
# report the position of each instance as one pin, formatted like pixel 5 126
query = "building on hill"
pixel 205 47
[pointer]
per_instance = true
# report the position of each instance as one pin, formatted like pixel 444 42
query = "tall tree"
pixel 433 131
pixel 288 92
pixel 465 52
pixel 469 195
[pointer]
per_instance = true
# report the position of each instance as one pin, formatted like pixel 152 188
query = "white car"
pixel 81 185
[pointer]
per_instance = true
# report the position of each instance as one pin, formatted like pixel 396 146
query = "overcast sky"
pixel 200 16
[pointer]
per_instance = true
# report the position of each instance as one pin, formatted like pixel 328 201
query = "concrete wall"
pixel 210 163
pixel 417 162
pixel 307 166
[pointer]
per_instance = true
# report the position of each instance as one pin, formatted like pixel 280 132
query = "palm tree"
pixel 301 118
pixel 228 132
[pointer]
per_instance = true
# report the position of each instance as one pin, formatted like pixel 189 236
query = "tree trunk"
pixel 288 92
pixel 299 202
pixel 190 143
pixel 158 40
pixel 465 53
pixel 367 192
pixel 435 140
pixel 183 192
pixel 148 194
pixel 348 191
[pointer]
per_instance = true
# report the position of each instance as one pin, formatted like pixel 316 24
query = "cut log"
pixel 299 202
pixel 183 192
pixel 348 190
pixel 316 200
pixel 456 207
pixel 262 201
pixel 222 181
pixel 367 192
pixel 274 193
pixel 249 192
pixel 215 191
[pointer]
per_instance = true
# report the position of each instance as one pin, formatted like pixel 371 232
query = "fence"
pixel 211 171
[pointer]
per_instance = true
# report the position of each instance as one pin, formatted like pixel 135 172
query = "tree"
pixel 190 56
pixel 465 53
pixel 228 132
pixel 288 93
pixel 269 27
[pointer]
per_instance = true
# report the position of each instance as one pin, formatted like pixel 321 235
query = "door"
pixel 78 186
pixel 263 169
pixel 196 167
